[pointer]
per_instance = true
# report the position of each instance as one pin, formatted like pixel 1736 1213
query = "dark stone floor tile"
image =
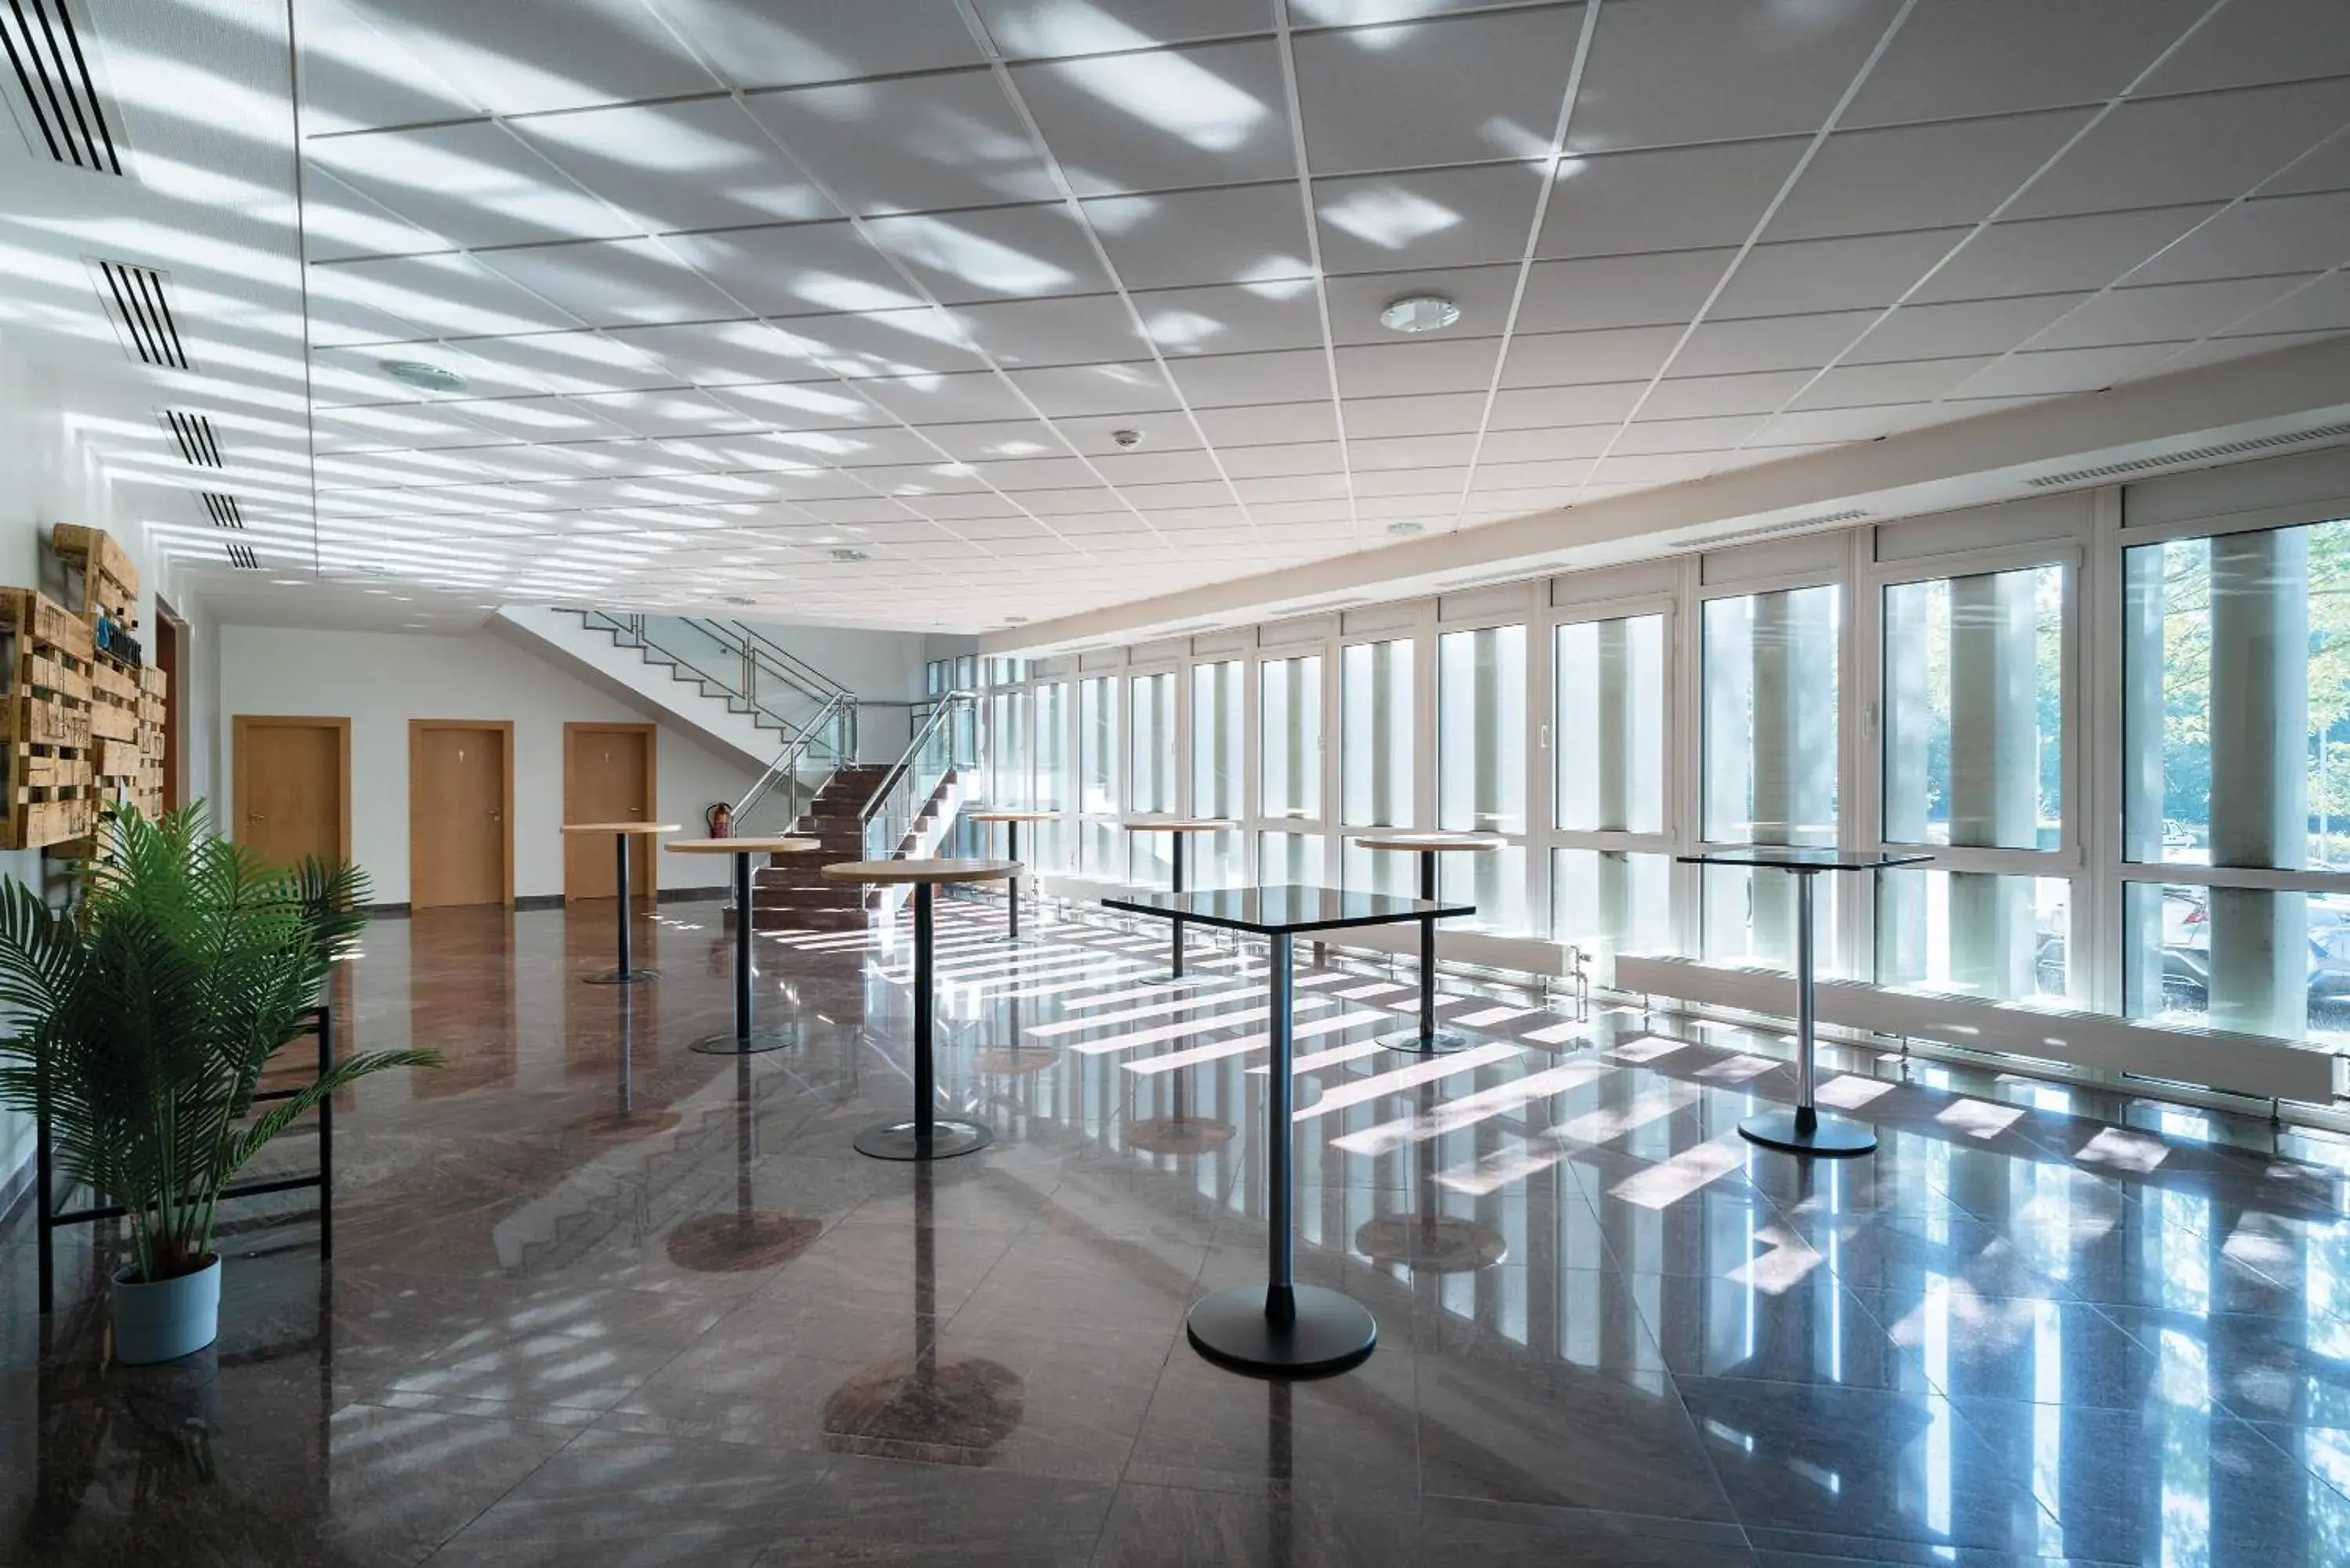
pixel 1213 1430
pixel 1169 1527
pixel 872 1511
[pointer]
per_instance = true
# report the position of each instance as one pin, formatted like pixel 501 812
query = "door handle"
pixel 497 816
pixel 253 817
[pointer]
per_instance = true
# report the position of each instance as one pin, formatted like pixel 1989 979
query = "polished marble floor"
pixel 598 1299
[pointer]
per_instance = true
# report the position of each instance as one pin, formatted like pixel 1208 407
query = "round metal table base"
pixel 899 1140
pixel 1330 1332
pixel 1443 1042
pixel 758 1040
pixel 1432 1243
pixel 1828 1136
pixel 1179 1134
pixel 622 977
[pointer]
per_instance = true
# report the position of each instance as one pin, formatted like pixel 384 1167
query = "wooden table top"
pixel 742 846
pixel 1176 825
pixel 1443 843
pixel 619 828
pixel 985 813
pixel 943 868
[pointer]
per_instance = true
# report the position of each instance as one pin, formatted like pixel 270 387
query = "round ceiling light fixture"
pixel 845 554
pixel 1405 530
pixel 427 377
pixel 1419 313
pixel 1126 438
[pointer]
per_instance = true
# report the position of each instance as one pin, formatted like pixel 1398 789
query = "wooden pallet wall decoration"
pixel 50 785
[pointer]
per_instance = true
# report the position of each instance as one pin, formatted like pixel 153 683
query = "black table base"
pixel 1804 1130
pixel 1322 1332
pixel 927 1135
pixel 1427 1040
pixel 1011 888
pixel 746 1040
pixel 627 973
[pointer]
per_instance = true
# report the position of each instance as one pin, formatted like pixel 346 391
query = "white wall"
pixel 379 680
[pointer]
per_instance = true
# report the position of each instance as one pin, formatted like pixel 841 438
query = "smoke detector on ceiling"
pixel 1126 438
pixel 1419 313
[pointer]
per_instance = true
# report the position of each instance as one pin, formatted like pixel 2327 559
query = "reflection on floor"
pixel 600 1300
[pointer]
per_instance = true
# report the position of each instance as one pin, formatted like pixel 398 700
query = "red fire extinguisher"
pixel 720 820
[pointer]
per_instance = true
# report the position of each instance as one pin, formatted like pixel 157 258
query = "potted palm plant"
pixel 140 1021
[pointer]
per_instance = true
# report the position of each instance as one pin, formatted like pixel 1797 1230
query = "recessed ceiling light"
pixel 1126 438
pixel 1405 530
pixel 417 373
pixel 848 554
pixel 1419 313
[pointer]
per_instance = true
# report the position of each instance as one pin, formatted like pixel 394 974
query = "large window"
pixel 1289 722
pixel 1611 870
pixel 1481 769
pixel 1150 770
pixel 1374 758
pixel 1101 847
pixel 1007 732
pixel 1219 739
pixel 1055 785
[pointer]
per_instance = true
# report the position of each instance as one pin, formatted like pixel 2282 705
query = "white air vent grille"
pixel 224 510
pixel 241 557
pixel 2190 459
pixel 1793 526
pixel 137 299
pixel 194 434
pixel 59 96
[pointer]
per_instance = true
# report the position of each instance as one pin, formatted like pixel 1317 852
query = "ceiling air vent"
pixel 194 434
pixel 2198 455
pixel 241 557
pixel 136 303
pixel 223 510
pixel 60 104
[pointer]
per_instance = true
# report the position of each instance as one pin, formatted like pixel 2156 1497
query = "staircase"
pixel 791 893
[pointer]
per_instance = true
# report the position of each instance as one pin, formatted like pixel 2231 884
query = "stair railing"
pixel 754 673
pixel 945 739
pixel 827 741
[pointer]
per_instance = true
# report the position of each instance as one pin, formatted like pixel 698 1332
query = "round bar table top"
pixel 987 814
pixel 943 868
pixel 1177 824
pixel 742 846
pixel 619 828
pixel 1441 843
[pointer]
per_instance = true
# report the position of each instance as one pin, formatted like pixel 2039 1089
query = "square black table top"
pixel 1267 910
pixel 1784 857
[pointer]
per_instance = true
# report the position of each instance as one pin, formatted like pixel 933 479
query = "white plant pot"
pixel 167 1319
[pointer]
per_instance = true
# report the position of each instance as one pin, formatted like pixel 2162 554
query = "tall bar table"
pixel 1804 1130
pixel 1181 829
pixel 1012 820
pixel 927 1135
pixel 1428 1040
pixel 745 1040
pixel 622 834
pixel 1281 1328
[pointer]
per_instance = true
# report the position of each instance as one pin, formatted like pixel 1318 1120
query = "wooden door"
pixel 293 786
pixel 607 776
pixel 168 633
pixel 460 833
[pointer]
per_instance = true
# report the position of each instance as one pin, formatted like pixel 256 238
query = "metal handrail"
pixel 755 654
pixel 897 781
pixel 839 707
pixel 789 664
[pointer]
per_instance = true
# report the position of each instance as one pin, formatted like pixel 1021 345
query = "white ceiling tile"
pixel 2276 40
pixel 1961 327
pixel 1394 370
pixel 698 164
pixel 338 222
pixel 510 60
pixel 1319 460
pixel 1179 495
pixel 910 144
pixel 994 252
pixel 1319 498
pixel 1046 28
pixel 2322 306
pixel 1414 481
pixel 1920 176
pixel 1271 424
pixel 958 507
pixel 1160 120
pixel 1582 358
pixel 2324 167
pixel 1245 234
pixel 1895 381
pixel 1609 203
pixel 2170 312
pixel 1225 379
pixel 870 448
pixel 2061 370
pixel 797 269
pixel 1067 496
pixel 613 282
pixel 922 485
pixel 1805 276
pixel 857 512
pixel 1190 467
pixel 1500 505
pixel 700 353
pixel 1619 291
pixel 1433 413
pixel 2273 234
pixel 1381 509
pixel 1507 450
pixel 938 399
pixel 1695 397
pixel 2055 255
pixel 1710 435
pixel 991 442
pixel 1089 329
pixel 396 298
pixel 1817 427
pixel 800 405
pixel 1770 342
pixel 1482 292
pixel 541 419
pixel 1429 217
pixel 2219 349
pixel 354 80
pixel 667 414
pixel 1097 433
pixel 1643 470
pixel 363 471
pixel 1233 317
pixel 1025 474
pixel 1671 71
pixel 1481 88
pixel 1128 388
pixel 757 46
pixel 919 341
pixel 1411 451
pixel 2210 148
pixel 2000 57
pixel 1541 408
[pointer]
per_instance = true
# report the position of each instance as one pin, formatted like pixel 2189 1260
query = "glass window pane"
pixel 2246 959
pixel 1974 711
pixel 1974 933
pixel 1217 739
pixel 1362 870
pixel 1606 903
pixel 1151 779
pixel 1289 713
pixel 1608 733
pixel 1748 916
pixel 1495 883
pixel 1051 745
pixel 1481 739
pixel 1101 846
pixel 1375 736
pixel 1289 859
pixel 1771 717
pixel 1007 736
